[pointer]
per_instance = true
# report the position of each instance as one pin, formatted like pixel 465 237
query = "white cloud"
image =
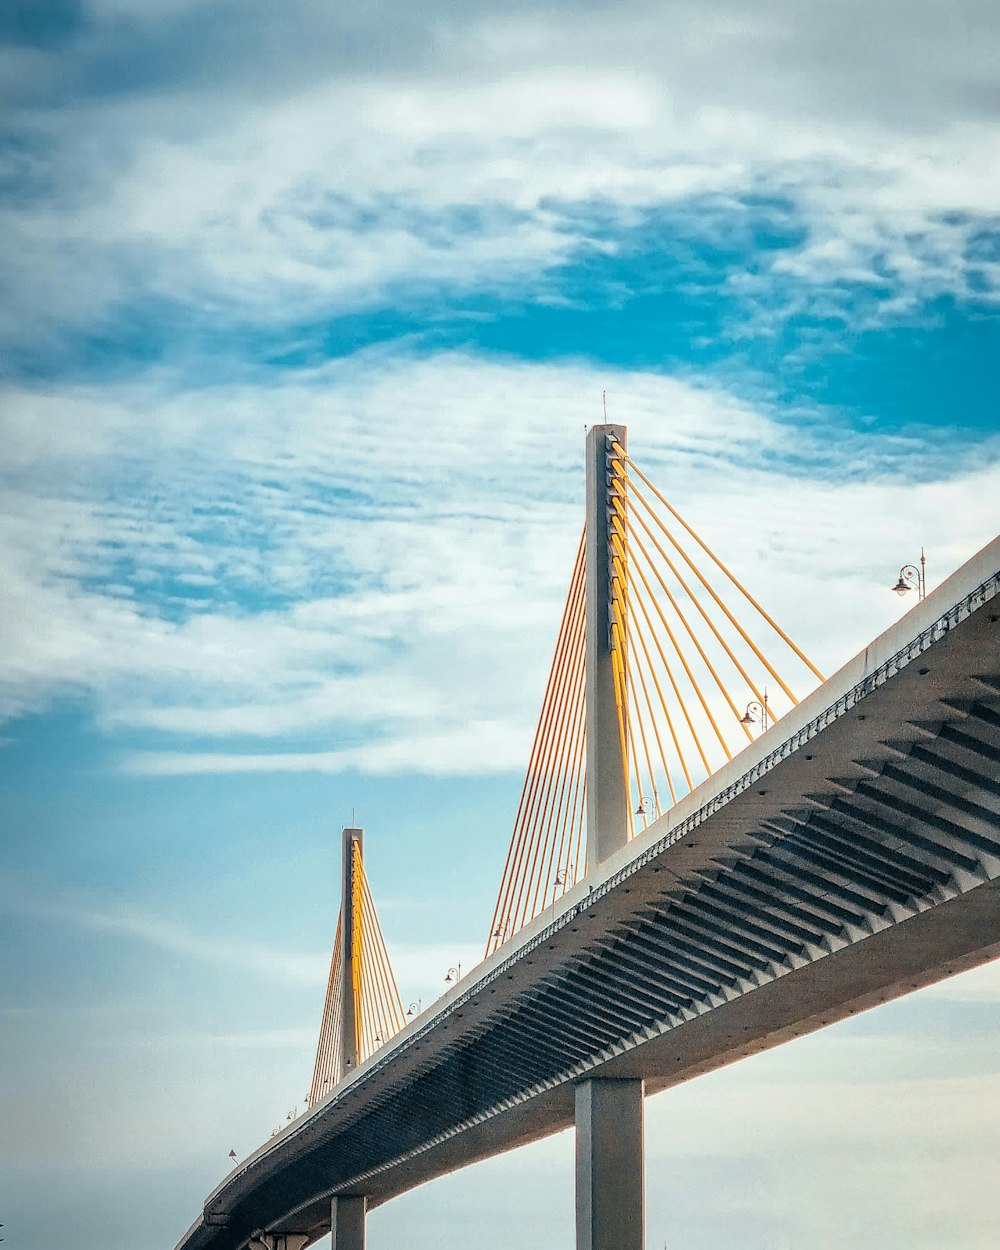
pixel 471 748
pixel 363 566
pixel 437 154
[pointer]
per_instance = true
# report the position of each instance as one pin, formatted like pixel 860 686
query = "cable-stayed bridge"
pixel 662 911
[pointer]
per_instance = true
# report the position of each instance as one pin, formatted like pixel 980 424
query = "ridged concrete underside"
pixel 855 861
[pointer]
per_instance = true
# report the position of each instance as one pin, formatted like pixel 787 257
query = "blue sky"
pixel 304 315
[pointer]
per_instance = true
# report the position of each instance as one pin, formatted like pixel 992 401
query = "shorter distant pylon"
pixel 363 1008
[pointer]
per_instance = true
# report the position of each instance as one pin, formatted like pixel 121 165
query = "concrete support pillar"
pixel 349 955
pixel 610 1181
pixel 347 1223
pixel 607 792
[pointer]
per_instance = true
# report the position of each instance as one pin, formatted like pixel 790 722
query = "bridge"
pixel 847 854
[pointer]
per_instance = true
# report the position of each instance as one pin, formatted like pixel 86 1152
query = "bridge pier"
pixel 347 1222
pixel 610 1165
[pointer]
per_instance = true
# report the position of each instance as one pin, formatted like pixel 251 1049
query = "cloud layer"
pixel 362 566
pixel 219 163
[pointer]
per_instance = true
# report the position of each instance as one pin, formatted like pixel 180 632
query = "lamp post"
pixel 913 578
pixel 414 1009
pixel 455 973
pixel 564 876
pixel 755 709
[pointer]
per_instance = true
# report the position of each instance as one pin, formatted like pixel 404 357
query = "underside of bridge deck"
pixel 855 860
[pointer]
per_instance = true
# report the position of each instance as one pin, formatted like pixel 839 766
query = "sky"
pixel 305 310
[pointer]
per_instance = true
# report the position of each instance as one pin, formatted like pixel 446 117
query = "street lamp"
pixel 755 709
pixel 563 876
pixel 414 1009
pixel 913 578
pixel 454 974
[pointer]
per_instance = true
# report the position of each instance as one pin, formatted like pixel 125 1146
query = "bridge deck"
pixel 849 855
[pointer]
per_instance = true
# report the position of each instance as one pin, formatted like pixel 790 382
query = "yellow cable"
pixel 569 822
pixel 663 704
pixel 575 823
pixel 393 1003
pixel 383 1009
pixel 711 554
pixel 729 615
pixel 532 774
pixel 709 622
pixel 556 762
pixel 374 983
pixel 680 656
pixel 530 828
pixel 620 709
pixel 322 1069
pixel 516 851
pixel 581 846
pixel 549 818
pixel 652 714
pixel 698 647
pixel 634 703
pixel 527 869
pixel 558 820
pixel 641 810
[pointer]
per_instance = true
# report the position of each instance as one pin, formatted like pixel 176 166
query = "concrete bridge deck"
pixel 847 856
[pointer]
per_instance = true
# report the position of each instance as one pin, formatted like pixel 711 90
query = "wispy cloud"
pixel 166 935
pixel 362 566
pixel 454 161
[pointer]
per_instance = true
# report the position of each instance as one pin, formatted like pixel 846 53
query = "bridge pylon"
pixel 350 954
pixel 362 1010
pixel 608 826
pixel 664 668
pixel 610 1163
